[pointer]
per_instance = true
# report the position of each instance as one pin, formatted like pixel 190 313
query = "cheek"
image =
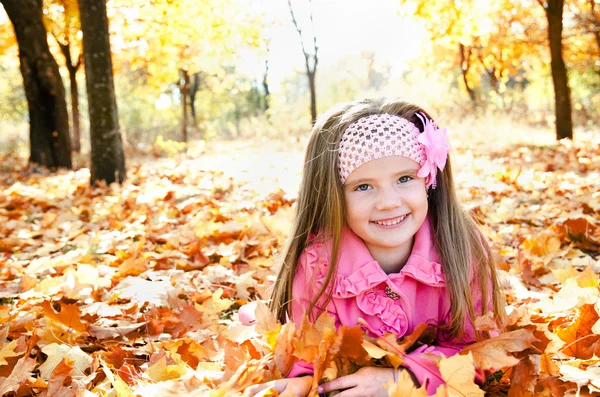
pixel 355 208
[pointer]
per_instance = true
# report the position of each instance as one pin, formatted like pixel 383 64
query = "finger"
pixel 353 392
pixel 343 382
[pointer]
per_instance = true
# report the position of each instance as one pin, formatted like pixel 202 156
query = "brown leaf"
pixel 583 232
pixel 20 374
pixel 494 354
pixel 524 377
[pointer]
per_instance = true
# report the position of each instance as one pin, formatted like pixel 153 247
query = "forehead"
pixel 383 168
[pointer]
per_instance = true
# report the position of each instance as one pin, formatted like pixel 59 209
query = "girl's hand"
pixel 296 387
pixel 366 382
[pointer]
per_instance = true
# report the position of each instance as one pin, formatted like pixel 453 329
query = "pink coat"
pixel 359 291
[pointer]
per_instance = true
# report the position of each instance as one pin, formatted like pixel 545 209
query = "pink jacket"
pixel 359 291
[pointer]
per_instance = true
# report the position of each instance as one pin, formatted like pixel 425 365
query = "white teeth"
pixel 391 222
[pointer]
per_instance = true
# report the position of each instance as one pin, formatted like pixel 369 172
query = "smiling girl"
pixel 380 234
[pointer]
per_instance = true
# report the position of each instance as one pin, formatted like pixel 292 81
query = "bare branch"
pixel 299 31
pixel 312 26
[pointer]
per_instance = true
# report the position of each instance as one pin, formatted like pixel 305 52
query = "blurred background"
pixel 187 70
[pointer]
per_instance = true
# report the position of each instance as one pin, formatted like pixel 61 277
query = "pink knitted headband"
pixel 383 135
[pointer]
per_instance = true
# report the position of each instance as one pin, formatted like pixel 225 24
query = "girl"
pixel 380 234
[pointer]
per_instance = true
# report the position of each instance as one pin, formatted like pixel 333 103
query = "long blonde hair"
pixel 320 211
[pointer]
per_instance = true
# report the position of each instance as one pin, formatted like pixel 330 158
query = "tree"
pixel 485 43
pixel 562 93
pixel 62 20
pixel 49 139
pixel 311 59
pixel 185 41
pixel 108 159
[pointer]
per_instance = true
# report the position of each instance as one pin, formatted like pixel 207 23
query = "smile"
pixel 391 222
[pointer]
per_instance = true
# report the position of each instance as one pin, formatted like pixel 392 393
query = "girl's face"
pixel 386 204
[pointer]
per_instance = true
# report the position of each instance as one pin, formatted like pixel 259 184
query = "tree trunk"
pixel 73 68
pixel 310 71
pixel 194 88
pixel 562 95
pixel 49 139
pixel 108 159
pixel 265 84
pixel 313 94
pixel 184 88
pixel 465 65
pixel 75 111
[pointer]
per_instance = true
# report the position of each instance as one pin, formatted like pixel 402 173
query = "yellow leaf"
pixel 405 387
pixel 215 304
pixel 56 353
pixel 563 275
pixel 587 278
pixel 8 350
pixel 161 371
pixel 120 386
pixel 373 350
pixel 458 372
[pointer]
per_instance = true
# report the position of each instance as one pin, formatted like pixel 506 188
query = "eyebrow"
pixel 364 180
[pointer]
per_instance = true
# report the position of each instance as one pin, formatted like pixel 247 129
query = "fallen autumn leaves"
pixel 134 290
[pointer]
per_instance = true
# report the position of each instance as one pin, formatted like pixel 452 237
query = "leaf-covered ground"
pixel 135 290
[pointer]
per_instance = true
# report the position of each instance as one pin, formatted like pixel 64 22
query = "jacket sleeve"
pixel 307 282
pixel 425 368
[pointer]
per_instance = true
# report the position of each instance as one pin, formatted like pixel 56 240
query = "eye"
pixel 363 187
pixel 405 178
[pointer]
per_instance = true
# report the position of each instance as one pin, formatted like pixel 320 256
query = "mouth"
pixel 391 222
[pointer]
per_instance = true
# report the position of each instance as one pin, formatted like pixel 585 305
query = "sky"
pixel 343 27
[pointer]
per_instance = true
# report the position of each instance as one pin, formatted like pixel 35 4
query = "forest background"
pixel 201 111
pixel 239 70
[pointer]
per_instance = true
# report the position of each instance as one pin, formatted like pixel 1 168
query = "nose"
pixel 388 198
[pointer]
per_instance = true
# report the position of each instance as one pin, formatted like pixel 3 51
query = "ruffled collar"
pixel 423 263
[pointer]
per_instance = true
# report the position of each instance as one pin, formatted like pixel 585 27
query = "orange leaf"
pixel 67 314
pixel 405 387
pixel 494 354
pixel 578 335
pixel 582 231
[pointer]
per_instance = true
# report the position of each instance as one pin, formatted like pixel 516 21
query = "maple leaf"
pixel 318 343
pixel 590 377
pixel 19 375
pixel 578 335
pixel 59 374
pixel 493 354
pixel 582 231
pixel 161 370
pixel 266 323
pixel 405 387
pixel 215 305
pixel 458 373
pixel 524 376
pixel 80 361
pixel 8 350
pixel 67 315
pixel 122 389
pixel 550 387
pixel 284 348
